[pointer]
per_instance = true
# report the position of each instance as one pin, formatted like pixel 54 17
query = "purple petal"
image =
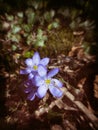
pixel 55 91
pixel 28 83
pixel 36 58
pixel 28 89
pixel 28 86
pixel 31 96
pixel 57 83
pixel 44 61
pixel 25 71
pixel 29 62
pixel 41 92
pixel 39 81
pixel 53 72
pixel 42 71
pixel 30 76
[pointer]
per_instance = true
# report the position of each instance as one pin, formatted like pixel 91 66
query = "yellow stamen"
pixel 35 67
pixel 47 81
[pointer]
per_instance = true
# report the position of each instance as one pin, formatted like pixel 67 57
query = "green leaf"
pixel 28 54
pixel 16 29
pixel 15 38
pixel 47 16
pixel 9 17
pixel 20 14
pixel 26 27
pixel 53 25
pixel 30 16
pixel 40 38
pixel 14 47
pixel 40 43
pixel 29 39
pixel 39 34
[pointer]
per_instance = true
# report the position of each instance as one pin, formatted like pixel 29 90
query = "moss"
pixel 59 42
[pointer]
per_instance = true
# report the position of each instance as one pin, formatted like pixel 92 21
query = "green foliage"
pixel 26 28
pixel 38 27
pixel 15 29
pixel 9 17
pixel 14 47
pixel 48 15
pixel 40 38
pixel 54 24
pixel 30 16
pixel 37 4
pixel 14 38
pixel 28 54
pixel 22 24
pixel 20 14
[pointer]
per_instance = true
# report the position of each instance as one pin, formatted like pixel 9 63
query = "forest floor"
pixel 76 110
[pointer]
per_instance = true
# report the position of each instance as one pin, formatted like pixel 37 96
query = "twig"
pixel 58 102
pixel 81 106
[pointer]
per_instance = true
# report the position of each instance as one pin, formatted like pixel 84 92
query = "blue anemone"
pixel 30 89
pixel 44 81
pixel 32 65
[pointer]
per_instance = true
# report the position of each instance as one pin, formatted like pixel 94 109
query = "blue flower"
pixel 32 65
pixel 39 80
pixel 30 89
pixel 45 81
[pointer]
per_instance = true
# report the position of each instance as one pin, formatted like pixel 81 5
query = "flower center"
pixel 47 81
pixel 35 67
